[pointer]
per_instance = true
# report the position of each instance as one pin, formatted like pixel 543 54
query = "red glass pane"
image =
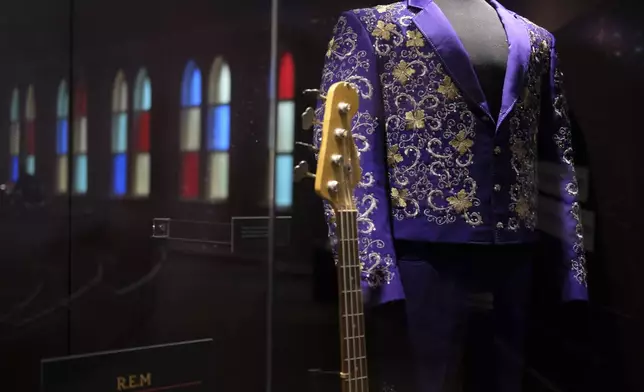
pixel 190 175
pixel 80 102
pixel 143 142
pixel 31 138
pixel 286 77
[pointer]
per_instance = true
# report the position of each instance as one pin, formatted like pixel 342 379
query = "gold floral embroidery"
pixel 460 202
pixel 415 39
pixel 522 208
pixel 384 30
pixel 424 112
pixel 461 143
pixel 398 197
pixel 403 71
pixel 350 63
pixel 333 46
pixel 523 127
pixel 448 88
pixel 393 156
pixel 384 8
pixel 415 119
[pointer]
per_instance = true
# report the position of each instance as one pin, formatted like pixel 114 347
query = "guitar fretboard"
pixel 352 324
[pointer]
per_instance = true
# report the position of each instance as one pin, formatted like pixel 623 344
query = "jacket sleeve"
pixel 556 150
pixel 350 57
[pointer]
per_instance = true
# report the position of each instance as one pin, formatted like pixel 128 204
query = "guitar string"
pixel 360 305
pixel 349 310
pixel 350 336
pixel 356 307
pixel 356 370
pixel 343 314
pixel 352 279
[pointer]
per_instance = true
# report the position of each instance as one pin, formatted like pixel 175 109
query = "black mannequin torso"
pixel 482 34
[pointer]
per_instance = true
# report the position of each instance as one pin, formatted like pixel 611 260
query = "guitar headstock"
pixel 338 169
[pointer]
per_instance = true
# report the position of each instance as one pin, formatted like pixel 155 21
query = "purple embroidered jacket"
pixel 436 165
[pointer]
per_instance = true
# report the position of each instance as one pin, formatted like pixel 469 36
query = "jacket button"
pixel 497 187
pixel 486 118
pixel 497 150
pixel 499 225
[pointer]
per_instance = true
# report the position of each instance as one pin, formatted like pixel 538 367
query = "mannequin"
pixel 460 101
pixel 482 34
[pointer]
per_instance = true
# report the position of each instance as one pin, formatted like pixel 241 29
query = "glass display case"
pixel 207 195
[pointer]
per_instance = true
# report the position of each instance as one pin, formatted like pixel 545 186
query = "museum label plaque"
pixel 174 367
pixel 250 234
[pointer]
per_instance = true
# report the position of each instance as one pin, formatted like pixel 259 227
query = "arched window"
pixel 285 133
pixel 14 136
pixel 190 132
pixel 219 88
pixel 80 141
pixel 30 131
pixel 62 137
pixel 141 147
pixel 119 135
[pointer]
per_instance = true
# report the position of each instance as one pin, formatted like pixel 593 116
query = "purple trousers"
pixel 462 324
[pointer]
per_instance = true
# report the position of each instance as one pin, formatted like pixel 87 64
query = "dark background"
pixel 82 274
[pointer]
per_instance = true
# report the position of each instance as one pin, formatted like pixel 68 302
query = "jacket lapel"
pixel 433 24
pixel 518 58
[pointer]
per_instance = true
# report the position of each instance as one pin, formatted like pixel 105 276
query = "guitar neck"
pixel 352 324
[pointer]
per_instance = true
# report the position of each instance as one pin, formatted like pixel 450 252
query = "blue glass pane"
pixel 15 168
pixel 195 88
pixel 80 174
pixel 119 135
pixel 119 174
pixel 220 128
pixel 191 86
pixel 284 180
pixel 30 165
pixel 62 138
pixel 147 95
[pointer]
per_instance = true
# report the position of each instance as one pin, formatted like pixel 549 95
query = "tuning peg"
pixel 309 146
pixel 301 172
pixel 344 107
pixel 314 91
pixel 308 118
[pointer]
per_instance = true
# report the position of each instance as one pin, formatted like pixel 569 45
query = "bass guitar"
pixel 338 174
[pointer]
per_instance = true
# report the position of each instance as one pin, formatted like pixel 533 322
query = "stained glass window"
pixel 190 132
pixel 285 133
pixel 79 142
pixel 141 147
pixel 62 137
pixel 119 135
pixel 219 91
pixel 30 131
pixel 14 136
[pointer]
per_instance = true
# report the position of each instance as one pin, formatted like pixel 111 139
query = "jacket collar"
pixel 431 21
pixel 420 4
